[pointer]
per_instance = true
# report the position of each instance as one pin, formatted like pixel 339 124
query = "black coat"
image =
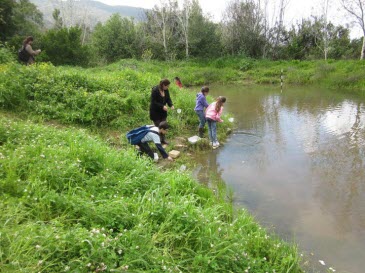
pixel 157 104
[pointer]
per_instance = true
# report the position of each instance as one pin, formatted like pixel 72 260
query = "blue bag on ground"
pixel 135 136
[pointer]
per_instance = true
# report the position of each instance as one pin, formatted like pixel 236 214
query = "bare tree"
pixel 73 13
pixel 184 17
pixel 325 6
pixel 356 9
pixel 161 22
pixel 280 21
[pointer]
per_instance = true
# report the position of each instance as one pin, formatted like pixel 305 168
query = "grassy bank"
pixel 113 98
pixel 72 202
pixel 347 76
pixel 69 202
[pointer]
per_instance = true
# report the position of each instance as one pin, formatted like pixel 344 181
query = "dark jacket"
pixel 157 104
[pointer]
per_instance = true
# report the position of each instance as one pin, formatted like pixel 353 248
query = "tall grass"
pixel 70 203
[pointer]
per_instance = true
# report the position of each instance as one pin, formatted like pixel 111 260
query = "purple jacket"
pixel 201 102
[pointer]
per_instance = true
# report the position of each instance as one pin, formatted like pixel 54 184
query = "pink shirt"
pixel 212 114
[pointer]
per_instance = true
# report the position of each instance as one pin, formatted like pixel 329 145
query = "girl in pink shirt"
pixel 213 115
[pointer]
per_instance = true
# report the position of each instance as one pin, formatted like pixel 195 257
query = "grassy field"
pixel 75 197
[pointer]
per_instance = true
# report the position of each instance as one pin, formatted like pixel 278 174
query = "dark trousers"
pixel 157 121
pixel 144 148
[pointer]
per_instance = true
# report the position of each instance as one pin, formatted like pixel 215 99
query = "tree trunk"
pixel 363 48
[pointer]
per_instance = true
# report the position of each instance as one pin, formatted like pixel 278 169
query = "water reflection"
pixel 297 162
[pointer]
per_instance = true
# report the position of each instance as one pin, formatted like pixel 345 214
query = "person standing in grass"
pixel 154 136
pixel 200 105
pixel 178 82
pixel 213 115
pixel 27 52
pixel 160 99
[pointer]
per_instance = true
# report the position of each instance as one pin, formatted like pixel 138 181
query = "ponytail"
pixel 219 102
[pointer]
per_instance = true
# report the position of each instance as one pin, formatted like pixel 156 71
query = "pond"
pixel 296 161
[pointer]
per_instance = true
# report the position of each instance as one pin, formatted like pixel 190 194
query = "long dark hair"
pixel 164 82
pixel 220 100
pixel 27 40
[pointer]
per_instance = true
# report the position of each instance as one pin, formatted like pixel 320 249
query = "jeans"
pixel 212 130
pixel 201 116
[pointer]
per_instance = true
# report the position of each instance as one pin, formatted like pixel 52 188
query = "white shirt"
pixel 152 136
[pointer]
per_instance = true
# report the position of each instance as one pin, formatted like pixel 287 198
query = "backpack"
pixel 23 55
pixel 135 136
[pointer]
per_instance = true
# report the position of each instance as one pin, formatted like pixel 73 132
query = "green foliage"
pixel 20 19
pixel 6 19
pixel 6 55
pixel 71 203
pixel 116 39
pixel 63 47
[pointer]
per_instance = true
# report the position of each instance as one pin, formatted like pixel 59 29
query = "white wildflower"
pixel 321 262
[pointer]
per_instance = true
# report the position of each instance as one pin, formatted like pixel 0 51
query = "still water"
pixel 296 161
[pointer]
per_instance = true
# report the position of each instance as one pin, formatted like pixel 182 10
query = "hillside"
pixel 88 11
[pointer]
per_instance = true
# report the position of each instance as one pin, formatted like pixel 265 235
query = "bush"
pixel 6 55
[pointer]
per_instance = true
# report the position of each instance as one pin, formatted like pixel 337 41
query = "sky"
pixel 296 9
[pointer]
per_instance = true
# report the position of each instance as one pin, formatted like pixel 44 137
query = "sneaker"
pixel 216 144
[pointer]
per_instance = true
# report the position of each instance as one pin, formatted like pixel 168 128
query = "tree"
pixel 6 19
pixel 57 19
pixel 161 26
pixel 18 19
pixel 325 6
pixel 63 47
pixel 184 18
pixel 356 9
pixel 116 39
pixel 204 40
pixel 243 29
pixel 280 22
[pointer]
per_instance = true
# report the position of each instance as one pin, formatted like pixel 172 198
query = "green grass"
pixel 74 196
pixel 69 202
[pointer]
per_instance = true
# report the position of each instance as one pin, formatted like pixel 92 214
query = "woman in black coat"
pixel 160 96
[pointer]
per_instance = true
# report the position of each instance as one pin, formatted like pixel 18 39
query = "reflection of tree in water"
pixel 340 169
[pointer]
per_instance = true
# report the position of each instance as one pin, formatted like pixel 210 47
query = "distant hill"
pixel 88 11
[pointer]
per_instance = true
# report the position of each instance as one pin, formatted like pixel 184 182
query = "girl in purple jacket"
pixel 201 103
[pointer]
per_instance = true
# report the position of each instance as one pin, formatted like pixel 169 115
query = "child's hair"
pixel 177 79
pixel 164 82
pixel 163 125
pixel 220 100
pixel 205 89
